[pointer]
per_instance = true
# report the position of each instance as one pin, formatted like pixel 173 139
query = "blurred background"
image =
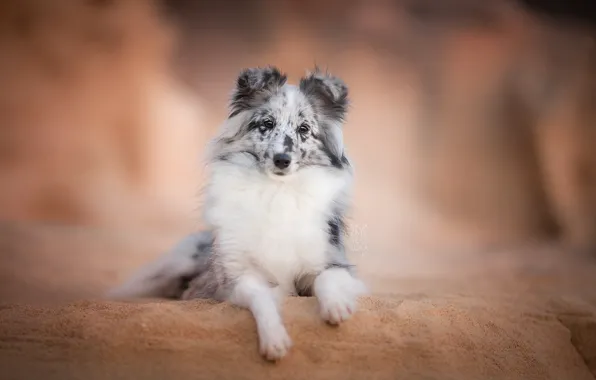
pixel 471 126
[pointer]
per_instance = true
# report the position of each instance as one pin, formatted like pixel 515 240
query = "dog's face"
pixel 280 129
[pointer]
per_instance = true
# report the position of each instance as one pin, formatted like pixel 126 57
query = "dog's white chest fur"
pixel 275 228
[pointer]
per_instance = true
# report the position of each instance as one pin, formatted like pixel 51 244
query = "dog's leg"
pixel 256 295
pixel 168 275
pixel 337 291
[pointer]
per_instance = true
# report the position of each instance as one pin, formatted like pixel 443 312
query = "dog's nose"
pixel 282 160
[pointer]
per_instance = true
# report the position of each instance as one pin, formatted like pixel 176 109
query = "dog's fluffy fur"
pixel 275 203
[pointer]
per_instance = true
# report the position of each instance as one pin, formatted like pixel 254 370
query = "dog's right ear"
pixel 254 86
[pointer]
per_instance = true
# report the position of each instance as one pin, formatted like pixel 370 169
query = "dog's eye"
pixel 266 125
pixel 303 129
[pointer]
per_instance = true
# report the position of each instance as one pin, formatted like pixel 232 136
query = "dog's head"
pixel 279 128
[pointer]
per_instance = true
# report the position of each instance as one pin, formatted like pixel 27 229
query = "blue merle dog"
pixel 278 191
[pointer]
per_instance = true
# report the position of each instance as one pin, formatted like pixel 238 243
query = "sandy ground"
pixel 529 314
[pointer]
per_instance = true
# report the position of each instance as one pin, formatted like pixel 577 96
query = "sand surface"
pixel 529 314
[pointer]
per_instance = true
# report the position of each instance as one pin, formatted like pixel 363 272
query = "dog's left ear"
pixel 328 93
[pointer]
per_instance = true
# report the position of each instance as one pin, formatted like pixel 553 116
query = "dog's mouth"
pixel 280 173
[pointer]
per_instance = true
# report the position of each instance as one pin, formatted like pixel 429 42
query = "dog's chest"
pixel 277 228
pixel 287 235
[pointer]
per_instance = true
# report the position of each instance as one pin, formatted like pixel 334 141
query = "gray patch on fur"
pixel 210 281
pixel 336 230
pixel 336 255
pixel 202 262
pixel 204 286
pixel 288 144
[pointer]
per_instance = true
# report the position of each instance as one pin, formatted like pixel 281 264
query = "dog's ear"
pixel 254 86
pixel 329 94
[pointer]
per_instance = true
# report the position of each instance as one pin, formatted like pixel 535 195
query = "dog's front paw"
pixel 274 342
pixel 338 304
pixel 338 309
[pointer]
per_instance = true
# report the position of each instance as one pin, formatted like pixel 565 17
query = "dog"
pixel 276 200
